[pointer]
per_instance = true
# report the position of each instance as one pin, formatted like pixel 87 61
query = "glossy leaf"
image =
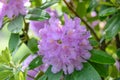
pixel 48 4
pixel 16 25
pixel 35 62
pixel 92 5
pixel 87 73
pixel 21 54
pixel 37 14
pixel 112 27
pixel 101 69
pixel 53 76
pixel 99 56
pixel 33 45
pixel 107 12
pixel 13 41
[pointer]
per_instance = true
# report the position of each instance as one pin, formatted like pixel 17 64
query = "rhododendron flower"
pixel 35 26
pixel 11 8
pixel 65 47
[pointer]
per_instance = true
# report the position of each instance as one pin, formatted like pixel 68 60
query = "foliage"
pixel 100 17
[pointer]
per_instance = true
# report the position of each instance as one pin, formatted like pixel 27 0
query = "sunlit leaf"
pixel 37 14
pixel 16 25
pixel 21 54
pixel 48 4
pixel 5 56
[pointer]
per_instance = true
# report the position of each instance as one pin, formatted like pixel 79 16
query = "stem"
pixel 30 76
pixel 39 74
pixel 117 41
pixel 87 25
pixel 24 36
pixel 103 46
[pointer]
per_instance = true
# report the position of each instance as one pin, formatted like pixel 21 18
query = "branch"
pixel 30 76
pixel 117 41
pixel 87 25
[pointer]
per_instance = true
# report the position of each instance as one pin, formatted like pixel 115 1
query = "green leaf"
pixel 69 77
pixel 118 2
pixel 113 71
pixel 106 3
pixel 21 54
pixel 101 69
pixel 99 56
pixel 5 72
pixel 36 3
pixel 33 45
pixel 44 77
pixel 13 41
pixel 53 76
pixel 87 73
pixel 107 12
pixel 5 57
pixel 21 76
pixel 93 42
pixel 37 14
pixel 113 1
pixel 92 5
pixel 35 62
pixel 48 4
pixel 118 53
pixel 81 6
pixel 112 27
pixel 16 24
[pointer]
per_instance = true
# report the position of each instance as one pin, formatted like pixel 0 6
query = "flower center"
pixel 59 41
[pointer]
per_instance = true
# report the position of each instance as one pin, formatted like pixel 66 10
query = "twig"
pixel 30 76
pixel 107 43
pixel 87 25
pixel 117 41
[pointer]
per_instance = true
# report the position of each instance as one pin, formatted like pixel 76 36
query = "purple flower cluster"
pixel 11 8
pixel 65 47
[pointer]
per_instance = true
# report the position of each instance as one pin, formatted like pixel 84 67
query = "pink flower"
pixel 65 47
